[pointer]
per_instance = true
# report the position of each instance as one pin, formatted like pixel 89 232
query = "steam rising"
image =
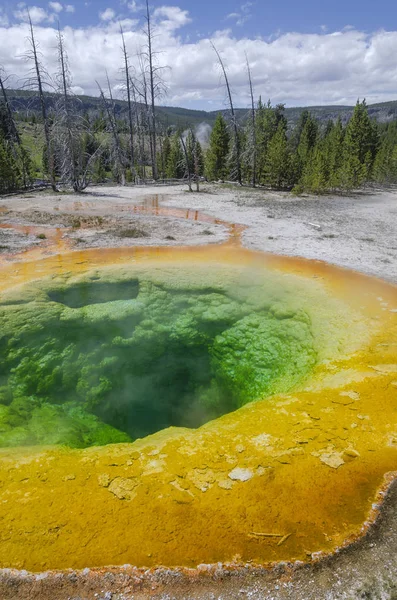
pixel 203 132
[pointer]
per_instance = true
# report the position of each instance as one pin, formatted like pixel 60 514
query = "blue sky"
pixel 257 18
pixel 301 53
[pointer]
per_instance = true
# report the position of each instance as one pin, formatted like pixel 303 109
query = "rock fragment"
pixel 123 488
pixel 239 474
pixel 332 459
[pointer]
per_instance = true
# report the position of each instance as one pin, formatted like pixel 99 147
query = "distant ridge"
pixel 24 101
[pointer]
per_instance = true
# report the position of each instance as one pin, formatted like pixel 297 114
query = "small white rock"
pixel 239 474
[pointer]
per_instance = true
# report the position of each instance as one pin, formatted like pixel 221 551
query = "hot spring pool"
pixel 174 407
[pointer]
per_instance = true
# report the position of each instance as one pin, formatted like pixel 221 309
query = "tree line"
pixel 260 150
pixel 311 157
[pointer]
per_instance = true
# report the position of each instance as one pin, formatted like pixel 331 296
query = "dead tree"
pixel 139 133
pixel 196 160
pixel 14 130
pixel 75 163
pixel 146 119
pixel 68 158
pixel 128 88
pixel 116 137
pixel 150 59
pixel 161 142
pixel 38 69
pixel 187 163
pixel 156 87
pixel 109 110
pixel 237 145
pixel 253 145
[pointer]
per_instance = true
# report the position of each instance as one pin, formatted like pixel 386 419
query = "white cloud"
pixel 295 68
pixel 4 22
pixel 107 15
pixel 243 16
pixel 171 17
pixel 69 8
pixel 246 7
pixel 77 90
pixel 134 6
pixel 56 6
pixel 37 14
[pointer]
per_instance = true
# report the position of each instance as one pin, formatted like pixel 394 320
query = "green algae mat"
pixel 180 408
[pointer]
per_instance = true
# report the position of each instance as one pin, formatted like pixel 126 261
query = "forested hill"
pixel 26 103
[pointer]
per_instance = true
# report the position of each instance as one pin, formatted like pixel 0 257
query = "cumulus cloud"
pixel 37 14
pixel 243 16
pixel 134 6
pixel 107 15
pixel 56 6
pixel 295 68
pixel 171 17
pixel 69 8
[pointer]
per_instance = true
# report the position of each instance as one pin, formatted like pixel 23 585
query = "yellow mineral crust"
pixel 279 479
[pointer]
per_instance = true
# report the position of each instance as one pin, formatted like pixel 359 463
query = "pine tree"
pixel 6 126
pixel 385 164
pixel 359 149
pixel 10 175
pixel 323 162
pixel 278 160
pixel 15 165
pixel 268 119
pixel 25 166
pixel 175 168
pixel 163 156
pixel 190 147
pixel 218 151
pixel 199 159
pixel 314 176
pixel 298 129
pixel 306 137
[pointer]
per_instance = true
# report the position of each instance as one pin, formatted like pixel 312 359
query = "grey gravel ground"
pixel 358 232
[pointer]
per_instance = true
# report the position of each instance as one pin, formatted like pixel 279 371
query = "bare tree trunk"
pixel 47 133
pixel 127 81
pixel 189 175
pixel 143 93
pixel 152 91
pixel 148 118
pixel 253 120
pixel 234 120
pixel 141 140
pixel 15 132
pixel 196 161
pixel 162 158
pixel 113 113
pixel 113 126
pixel 69 150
